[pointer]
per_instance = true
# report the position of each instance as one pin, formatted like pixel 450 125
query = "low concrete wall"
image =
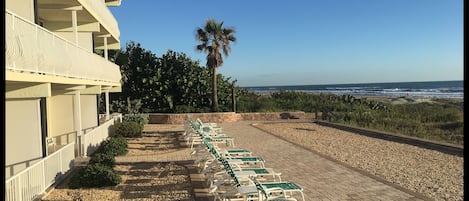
pixel 222 117
pixel 216 117
pixel 271 116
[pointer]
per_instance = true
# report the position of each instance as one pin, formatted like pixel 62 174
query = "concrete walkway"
pixel 320 177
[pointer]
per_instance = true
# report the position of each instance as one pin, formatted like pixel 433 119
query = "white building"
pixel 53 81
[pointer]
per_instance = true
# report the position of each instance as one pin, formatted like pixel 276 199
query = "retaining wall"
pixel 222 117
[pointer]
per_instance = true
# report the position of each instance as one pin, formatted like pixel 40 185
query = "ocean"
pixel 436 89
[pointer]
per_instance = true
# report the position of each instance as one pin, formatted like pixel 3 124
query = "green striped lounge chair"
pixel 262 174
pixel 240 162
pixel 278 190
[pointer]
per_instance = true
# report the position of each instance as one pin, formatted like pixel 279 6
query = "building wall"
pixel 23 8
pixel 60 113
pixel 23 134
pixel 85 39
pixel 62 122
pixel 89 111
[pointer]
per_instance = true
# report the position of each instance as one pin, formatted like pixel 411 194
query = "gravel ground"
pixel 437 175
pixel 141 180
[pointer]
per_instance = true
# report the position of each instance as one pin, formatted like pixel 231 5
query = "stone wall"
pixel 218 117
pixel 222 117
pixel 271 116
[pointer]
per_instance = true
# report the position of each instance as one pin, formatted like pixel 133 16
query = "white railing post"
pixel 28 191
pixel 60 162
pixel 20 190
pixel 43 175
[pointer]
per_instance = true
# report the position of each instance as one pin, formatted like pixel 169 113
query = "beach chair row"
pixel 234 173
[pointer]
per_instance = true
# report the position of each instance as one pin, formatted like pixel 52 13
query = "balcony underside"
pixel 20 85
pixel 57 16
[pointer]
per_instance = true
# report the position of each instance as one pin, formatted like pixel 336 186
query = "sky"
pixel 309 42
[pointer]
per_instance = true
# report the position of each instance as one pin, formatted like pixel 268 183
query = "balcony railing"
pixel 116 116
pixel 33 181
pixel 31 48
pixel 93 139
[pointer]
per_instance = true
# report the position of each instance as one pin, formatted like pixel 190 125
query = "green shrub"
pixel 94 175
pixel 141 119
pixel 126 129
pixel 116 146
pixel 103 158
pixel 76 179
pixel 183 109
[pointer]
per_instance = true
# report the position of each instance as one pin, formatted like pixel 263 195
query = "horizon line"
pixel 391 82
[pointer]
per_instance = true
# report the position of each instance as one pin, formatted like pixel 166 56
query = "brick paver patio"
pixel 322 178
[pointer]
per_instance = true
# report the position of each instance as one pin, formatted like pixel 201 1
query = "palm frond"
pixel 202 35
pixel 226 50
pixel 201 47
pixel 228 31
pixel 215 40
pixel 232 38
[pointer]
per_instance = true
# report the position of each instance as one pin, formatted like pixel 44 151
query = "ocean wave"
pixel 444 89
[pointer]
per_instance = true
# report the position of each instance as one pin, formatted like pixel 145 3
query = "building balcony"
pixel 32 49
pixel 113 2
pixel 92 15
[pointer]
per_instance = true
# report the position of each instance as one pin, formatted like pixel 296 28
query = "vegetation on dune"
pixel 171 83
pixel 440 120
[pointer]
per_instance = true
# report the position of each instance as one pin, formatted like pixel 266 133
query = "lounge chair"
pixel 278 190
pixel 194 139
pixel 237 161
pixel 261 174
pixel 233 152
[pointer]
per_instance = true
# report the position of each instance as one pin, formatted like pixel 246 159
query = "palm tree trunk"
pixel 233 98
pixel 214 90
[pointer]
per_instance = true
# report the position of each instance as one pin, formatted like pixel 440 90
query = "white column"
pixel 77 123
pixel 75 25
pixel 106 93
pixel 105 48
pixel 105 36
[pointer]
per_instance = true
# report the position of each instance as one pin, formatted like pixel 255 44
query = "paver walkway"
pixel 321 178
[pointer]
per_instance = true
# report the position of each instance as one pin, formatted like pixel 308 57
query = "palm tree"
pixel 213 37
